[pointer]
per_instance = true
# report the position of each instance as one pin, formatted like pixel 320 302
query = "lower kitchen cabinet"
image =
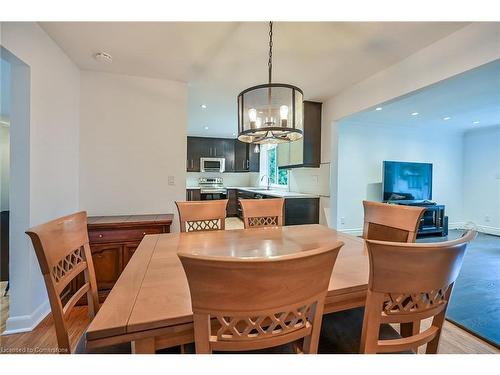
pixel 193 194
pixel 297 210
pixel 113 241
pixel 232 204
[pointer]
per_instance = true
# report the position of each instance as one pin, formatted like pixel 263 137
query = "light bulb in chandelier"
pixel 284 115
pixel 252 117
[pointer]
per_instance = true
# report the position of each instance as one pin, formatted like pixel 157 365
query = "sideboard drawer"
pixel 100 236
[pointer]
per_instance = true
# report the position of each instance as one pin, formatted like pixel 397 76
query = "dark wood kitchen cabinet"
pixel 254 159
pixel 305 152
pixel 232 204
pixel 241 162
pixel 239 156
pixel 195 150
pixel 193 194
pixel 113 241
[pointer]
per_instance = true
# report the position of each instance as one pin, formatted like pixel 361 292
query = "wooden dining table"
pixel 150 304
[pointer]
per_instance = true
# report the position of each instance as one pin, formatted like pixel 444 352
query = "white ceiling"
pixel 220 59
pixel 465 98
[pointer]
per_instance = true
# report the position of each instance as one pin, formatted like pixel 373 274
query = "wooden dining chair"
pixel 390 222
pixel 408 282
pixel 63 252
pixel 262 212
pixel 197 216
pixel 252 304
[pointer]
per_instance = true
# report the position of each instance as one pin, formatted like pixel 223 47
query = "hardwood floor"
pixel 4 306
pixel 43 340
pixel 234 223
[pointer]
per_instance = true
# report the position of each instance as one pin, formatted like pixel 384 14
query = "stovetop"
pixel 211 185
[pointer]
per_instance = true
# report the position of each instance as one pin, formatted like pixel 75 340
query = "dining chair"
pixel 408 282
pixel 262 212
pixel 197 216
pixel 63 253
pixel 391 222
pixel 259 305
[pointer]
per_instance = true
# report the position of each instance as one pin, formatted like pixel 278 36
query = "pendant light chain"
pixel 262 121
pixel 270 63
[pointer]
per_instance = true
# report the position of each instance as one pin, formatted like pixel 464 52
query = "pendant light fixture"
pixel 272 112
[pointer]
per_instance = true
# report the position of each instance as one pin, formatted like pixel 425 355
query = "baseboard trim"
pixel 488 230
pixel 353 232
pixel 26 323
pixel 456 225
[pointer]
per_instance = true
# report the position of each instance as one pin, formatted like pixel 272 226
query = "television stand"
pixel 433 220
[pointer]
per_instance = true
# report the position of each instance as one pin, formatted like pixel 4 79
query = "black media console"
pixel 433 221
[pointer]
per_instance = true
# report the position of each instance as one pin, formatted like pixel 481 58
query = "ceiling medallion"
pixel 272 112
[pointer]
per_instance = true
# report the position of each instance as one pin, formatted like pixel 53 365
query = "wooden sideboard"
pixel 113 240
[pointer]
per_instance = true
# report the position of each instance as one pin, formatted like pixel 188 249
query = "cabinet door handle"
pixel 248 164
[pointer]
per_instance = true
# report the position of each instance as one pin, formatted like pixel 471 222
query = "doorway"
pixel 14 185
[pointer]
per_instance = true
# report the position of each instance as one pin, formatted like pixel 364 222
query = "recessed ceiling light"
pixel 414 114
pixel 446 118
pixel 103 57
pixel 204 106
pixel 378 109
pixel 206 127
pixel 476 122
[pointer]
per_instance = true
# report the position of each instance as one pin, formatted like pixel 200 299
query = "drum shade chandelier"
pixel 272 112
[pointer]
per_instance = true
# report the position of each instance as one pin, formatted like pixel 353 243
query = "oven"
pixel 212 164
pixel 212 188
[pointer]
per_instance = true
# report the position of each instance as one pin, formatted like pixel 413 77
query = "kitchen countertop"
pixel 272 192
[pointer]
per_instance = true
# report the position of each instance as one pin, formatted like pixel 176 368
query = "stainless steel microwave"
pixel 212 164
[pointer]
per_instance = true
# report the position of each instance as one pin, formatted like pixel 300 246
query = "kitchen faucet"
pixel 268 185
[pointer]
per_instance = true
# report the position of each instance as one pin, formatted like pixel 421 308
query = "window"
pixel 269 162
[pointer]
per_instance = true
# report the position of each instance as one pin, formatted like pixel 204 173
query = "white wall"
pixel 363 148
pixel 48 165
pixel 132 138
pixel 482 178
pixel 440 60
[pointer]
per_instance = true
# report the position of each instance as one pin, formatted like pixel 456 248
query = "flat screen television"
pixel 407 181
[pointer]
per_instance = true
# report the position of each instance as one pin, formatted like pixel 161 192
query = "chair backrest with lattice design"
pixel 390 222
pixel 63 252
pixel 195 216
pixel 262 212
pixel 256 303
pixel 409 283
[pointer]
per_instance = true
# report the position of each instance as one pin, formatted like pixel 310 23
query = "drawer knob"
pixel 143 233
pixel 100 236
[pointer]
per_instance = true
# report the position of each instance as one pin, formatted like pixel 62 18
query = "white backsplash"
pixel 311 180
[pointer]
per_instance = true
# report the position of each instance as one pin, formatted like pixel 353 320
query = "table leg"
pixel 144 346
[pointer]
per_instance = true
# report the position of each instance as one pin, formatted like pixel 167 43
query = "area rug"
pixel 475 302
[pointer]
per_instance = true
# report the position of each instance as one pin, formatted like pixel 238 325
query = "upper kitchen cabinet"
pixel 241 161
pixel 239 156
pixel 254 159
pixel 305 152
pixel 195 150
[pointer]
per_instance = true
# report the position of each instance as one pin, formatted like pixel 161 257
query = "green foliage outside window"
pixel 276 176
